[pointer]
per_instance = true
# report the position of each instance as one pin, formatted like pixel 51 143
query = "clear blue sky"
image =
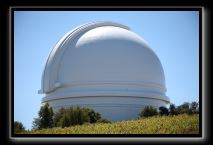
pixel 173 35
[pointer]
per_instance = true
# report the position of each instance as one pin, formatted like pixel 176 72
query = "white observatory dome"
pixel 104 66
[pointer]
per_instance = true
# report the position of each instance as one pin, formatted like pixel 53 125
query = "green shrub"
pixel 103 120
pixel 148 111
pixel 184 108
pixel 75 116
pixel 172 109
pixel 57 116
pixel 18 127
pixel 94 116
pixel 163 110
pixel 194 107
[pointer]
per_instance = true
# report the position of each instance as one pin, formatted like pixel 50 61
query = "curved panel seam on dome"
pixel 108 105
pixel 112 93
pixel 51 98
pixel 144 97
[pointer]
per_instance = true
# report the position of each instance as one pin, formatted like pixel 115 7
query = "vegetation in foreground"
pixel 174 124
pixel 18 127
pixel 76 116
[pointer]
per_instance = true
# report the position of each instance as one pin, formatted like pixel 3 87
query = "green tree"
pixel 74 116
pixel 93 116
pixel 172 109
pixel 57 116
pixel 45 119
pixel 65 120
pixel 184 108
pixel 148 111
pixel 194 107
pixel 18 127
pixel 81 115
pixel 36 124
pixel 163 110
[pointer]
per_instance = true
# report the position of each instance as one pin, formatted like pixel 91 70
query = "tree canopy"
pixel 45 119
pixel 18 127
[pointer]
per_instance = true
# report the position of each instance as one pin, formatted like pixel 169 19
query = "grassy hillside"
pixel 181 124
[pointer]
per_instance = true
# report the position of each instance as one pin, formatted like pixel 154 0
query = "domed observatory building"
pixel 104 66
